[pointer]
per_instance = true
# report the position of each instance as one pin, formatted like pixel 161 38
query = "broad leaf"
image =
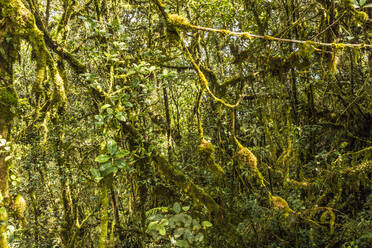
pixel 206 224
pixel 102 158
pixel 121 116
pixel 177 207
pixel 112 146
pixel 120 163
pixel 121 153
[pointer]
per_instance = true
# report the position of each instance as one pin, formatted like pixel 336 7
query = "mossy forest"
pixel 185 123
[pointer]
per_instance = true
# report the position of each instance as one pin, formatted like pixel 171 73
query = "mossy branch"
pixel 246 35
pixel 180 21
pixel 78 66
pixel 203 79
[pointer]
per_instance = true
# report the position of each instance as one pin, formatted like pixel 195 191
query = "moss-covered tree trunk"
pixel 104 187
pixel 3 186
pixel 8 101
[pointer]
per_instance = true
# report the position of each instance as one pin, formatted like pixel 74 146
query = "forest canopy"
pixel 185 123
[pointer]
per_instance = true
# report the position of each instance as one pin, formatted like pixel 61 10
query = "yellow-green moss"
pixel 19 206
pixel 178 20
pixel 3 220
pixel 8 100
pixel 339 46
pixel 268 37
pixel 8 96
pixel 329 215
pixel 247 158
pixel 307 49
pixel 361 16
pixel 247 36
pixel 279 203
pixel 207 159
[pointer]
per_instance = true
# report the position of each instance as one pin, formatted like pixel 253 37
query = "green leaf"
pixel 152 226
pixel 199 237
pixel 182 243
pixel 121 164
pixel 110 111
pixel 178 218
pixel 162 230
pixel 164 222
pixel 177 207
pixel 186 208
pixel 179 232
pixel 121 116
pixel 108 171
pixel 105 107
pixel 189 236
pixel 368 5
pixel 362 2
pixel 112 146
pixel 102 158
pixel 366 236
pixel 122 153
pixel 99 123
pixel 95 172
pixel 104 166
pixel 206 224
pixel 128 104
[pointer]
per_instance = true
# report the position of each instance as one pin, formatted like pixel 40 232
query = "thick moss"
pixel 8 99
pixel 247 158
pixel 206 150
pixel 279 203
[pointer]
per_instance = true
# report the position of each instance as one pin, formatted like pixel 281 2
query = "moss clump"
pixel 361 16
pixel 279 203
pixel 299 184
pixel 247 36
pixel 3 220
pixel 306 50
pixel 8 96
pixel 178 20
pixel 247 158
pixel 19 206
pixel 206 150
pixel 8 99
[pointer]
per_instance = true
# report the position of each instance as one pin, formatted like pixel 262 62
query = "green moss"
pixel 206 150
pixel 361 16
pixel 247 36
pixel 339 46
pixel 8 96
pixel 178 20
pixel 8 100
pixel 268 37
pixel 247 159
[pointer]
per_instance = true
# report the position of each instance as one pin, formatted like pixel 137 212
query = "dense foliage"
pixel 174 123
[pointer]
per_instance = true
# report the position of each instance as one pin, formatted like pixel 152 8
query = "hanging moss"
pixel 329 216
pixel 19 207
pixel 8 99
pixel 279 203
pixel 247 158
pixel 207 159
pixel 178 20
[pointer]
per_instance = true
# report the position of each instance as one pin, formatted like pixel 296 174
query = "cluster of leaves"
pixel 176 226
